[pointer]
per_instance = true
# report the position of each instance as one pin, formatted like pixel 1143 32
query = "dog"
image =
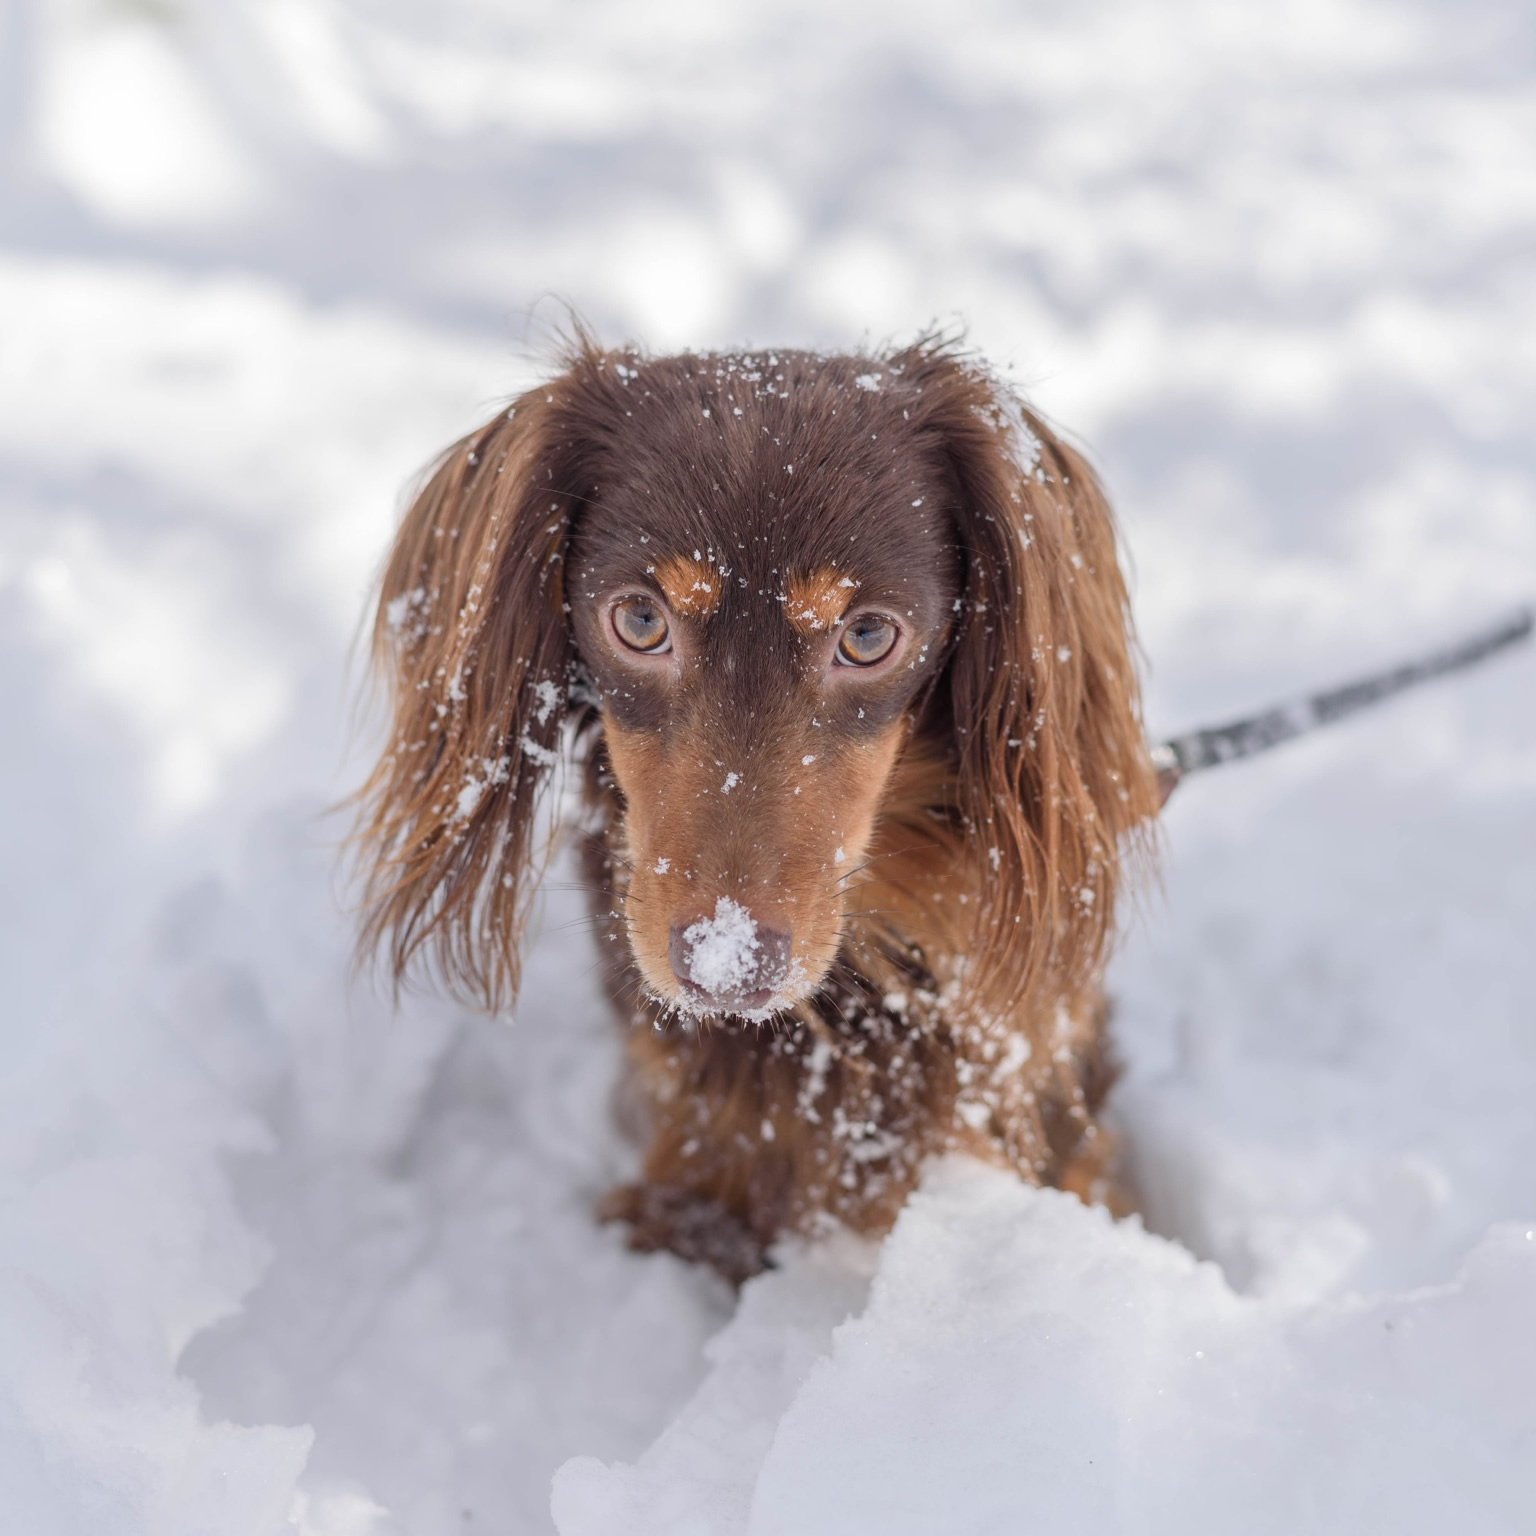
pixel 840 647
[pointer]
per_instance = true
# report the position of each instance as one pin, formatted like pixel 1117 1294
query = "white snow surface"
pixel 278 1255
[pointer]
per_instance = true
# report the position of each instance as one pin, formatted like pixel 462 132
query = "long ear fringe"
pixel 1056 787
pixel 471 640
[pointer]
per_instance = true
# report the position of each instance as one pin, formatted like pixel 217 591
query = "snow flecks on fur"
pixel 481 777
pixel 1006 415
pixel 548 697
pixel 406 616
pixel 545 757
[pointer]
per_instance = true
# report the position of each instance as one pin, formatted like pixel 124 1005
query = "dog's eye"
pixel 868 639
pixel 641 625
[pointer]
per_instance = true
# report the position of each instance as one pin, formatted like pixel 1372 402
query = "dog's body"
pixel 842 646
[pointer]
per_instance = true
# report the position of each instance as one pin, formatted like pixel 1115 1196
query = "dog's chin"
pixel 759 1006
pixel 755 1003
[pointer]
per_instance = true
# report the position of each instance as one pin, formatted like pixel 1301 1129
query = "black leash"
pixel 1195 750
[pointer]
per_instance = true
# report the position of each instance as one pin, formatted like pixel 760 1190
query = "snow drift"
pixel 279 1256
pixel 1021 1362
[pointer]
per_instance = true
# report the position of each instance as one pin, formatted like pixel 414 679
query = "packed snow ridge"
pixel 1012 1360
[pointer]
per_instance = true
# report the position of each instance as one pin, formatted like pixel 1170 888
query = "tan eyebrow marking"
pixel 817 600
pixel 691 587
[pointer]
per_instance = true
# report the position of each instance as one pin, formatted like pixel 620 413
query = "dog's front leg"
pixel 714 1107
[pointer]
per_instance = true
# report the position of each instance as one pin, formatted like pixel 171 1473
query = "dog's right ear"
pixel 472 643
pixel 1055 783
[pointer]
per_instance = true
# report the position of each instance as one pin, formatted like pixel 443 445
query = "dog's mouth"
pixel 756 1007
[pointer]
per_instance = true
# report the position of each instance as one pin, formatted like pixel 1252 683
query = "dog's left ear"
pixel 473 646
pixel 1055 779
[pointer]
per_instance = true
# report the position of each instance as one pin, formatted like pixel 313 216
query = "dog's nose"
pixel 728 960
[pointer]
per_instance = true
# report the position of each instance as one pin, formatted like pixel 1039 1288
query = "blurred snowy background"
pixel 274 1257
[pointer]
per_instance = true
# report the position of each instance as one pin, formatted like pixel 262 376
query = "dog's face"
pixel 763 582
pixel 773 569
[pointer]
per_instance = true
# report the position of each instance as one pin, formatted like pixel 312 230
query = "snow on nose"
pixel 729 960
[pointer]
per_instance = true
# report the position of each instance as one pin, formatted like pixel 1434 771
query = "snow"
pixel 722 950
pixel 1017 1352
pixel 281 1255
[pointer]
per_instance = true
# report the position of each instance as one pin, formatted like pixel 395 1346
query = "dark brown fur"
pixel 939 843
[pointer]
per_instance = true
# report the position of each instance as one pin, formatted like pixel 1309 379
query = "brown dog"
pixel 842 646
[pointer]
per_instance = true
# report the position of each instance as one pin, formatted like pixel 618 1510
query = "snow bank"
pixel 439 1302
pixel 117 1251
pixel 122 1242
pixel 1024 1363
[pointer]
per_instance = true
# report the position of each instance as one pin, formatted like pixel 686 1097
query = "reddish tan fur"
pixel 691 586
pixel 817 599
pixel 950 866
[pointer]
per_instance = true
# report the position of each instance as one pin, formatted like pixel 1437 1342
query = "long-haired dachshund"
pixel 841 646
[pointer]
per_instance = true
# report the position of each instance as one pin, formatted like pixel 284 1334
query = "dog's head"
pixel 778 579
